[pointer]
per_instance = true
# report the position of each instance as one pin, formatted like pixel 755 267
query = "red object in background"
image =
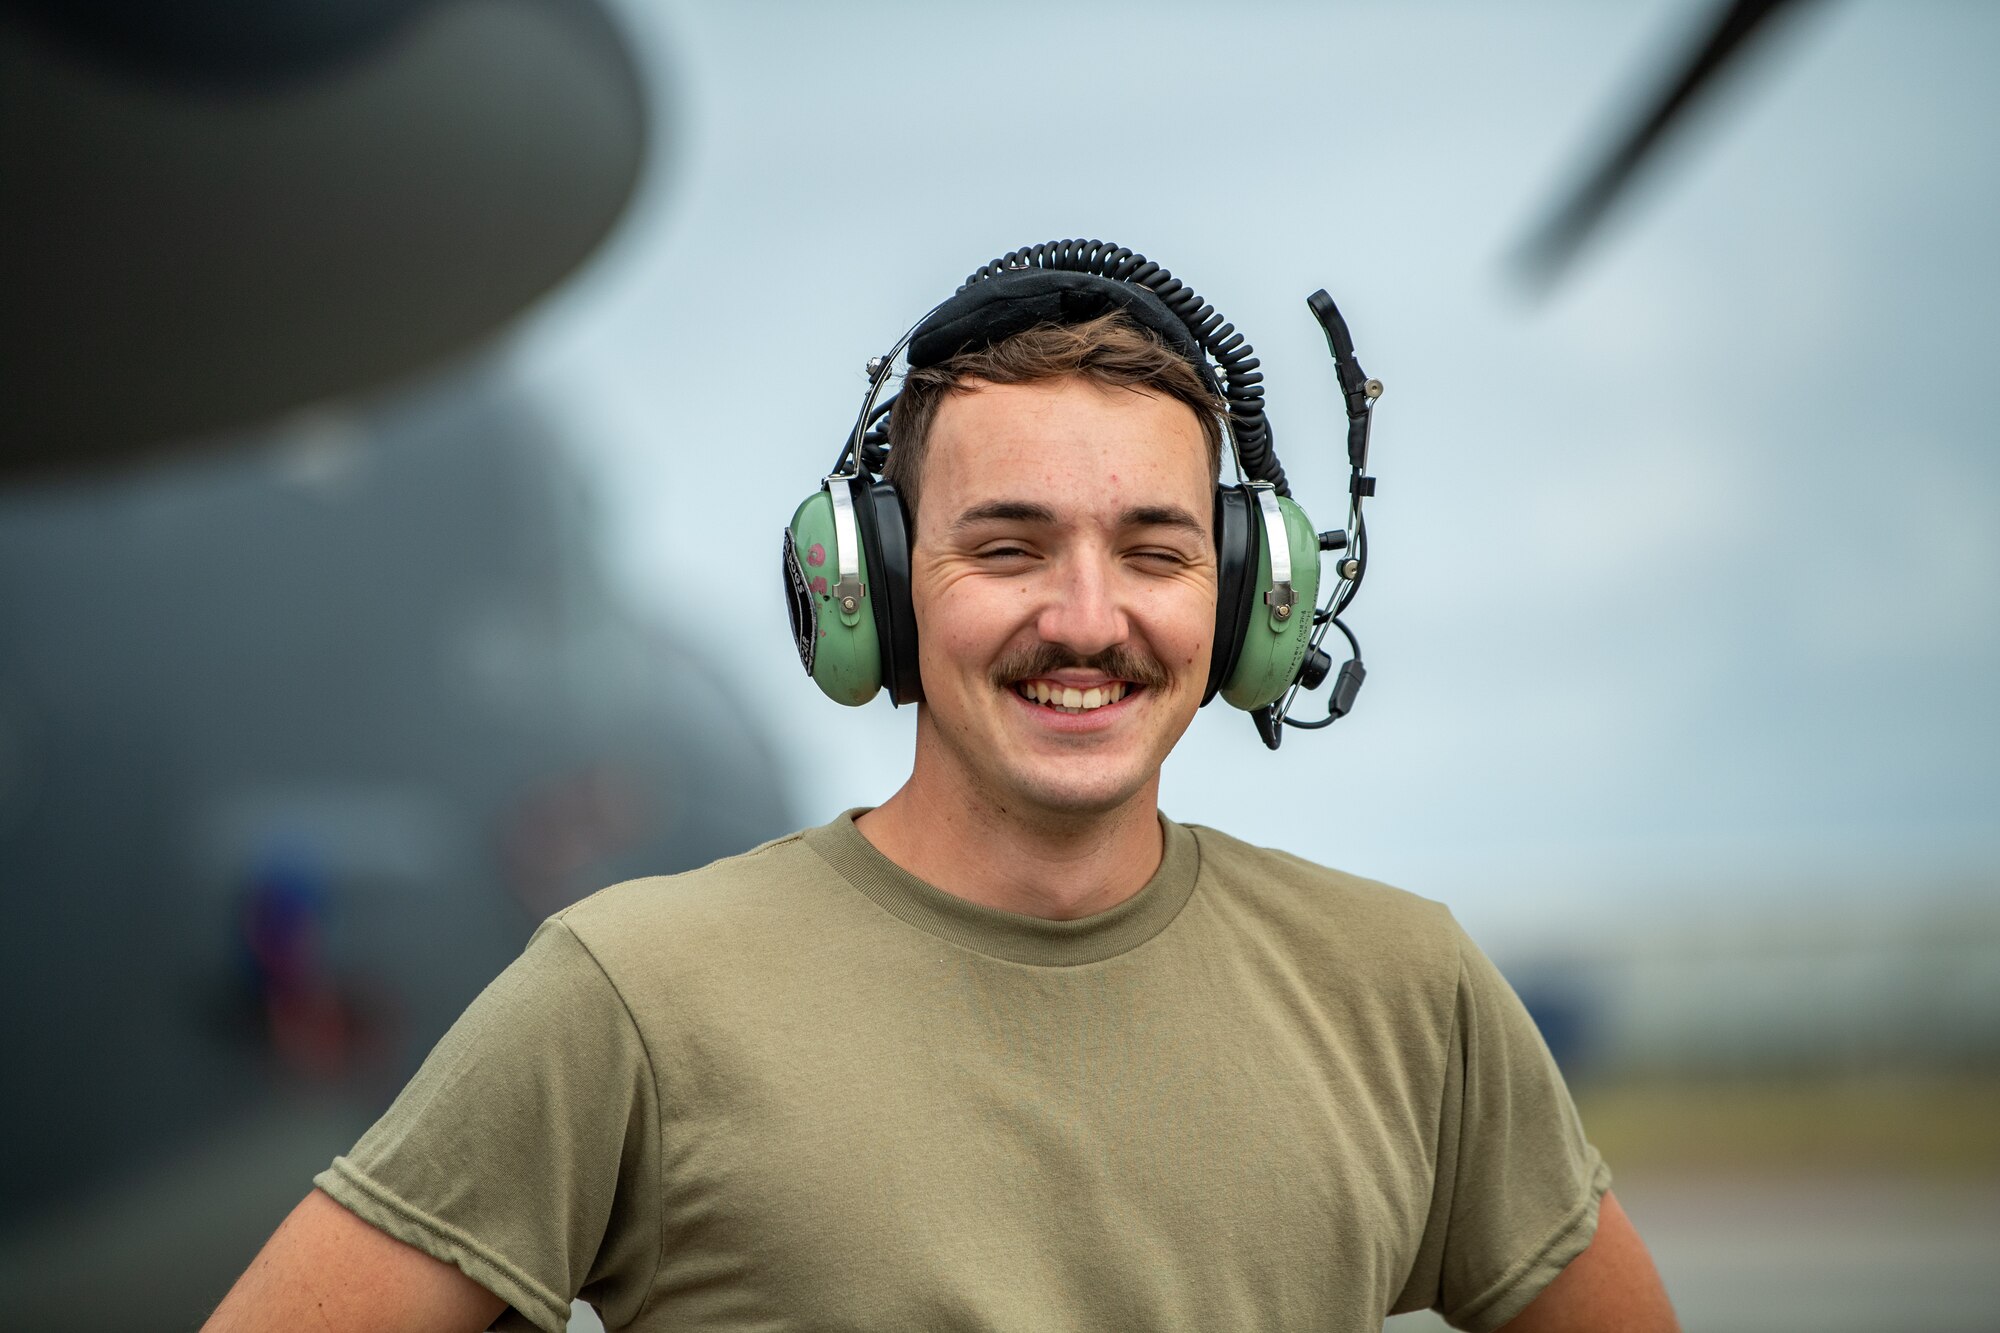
pixel 311 1025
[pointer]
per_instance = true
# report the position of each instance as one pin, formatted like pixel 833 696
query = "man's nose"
pixel 1083 611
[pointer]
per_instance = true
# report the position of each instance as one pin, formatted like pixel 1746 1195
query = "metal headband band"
pixel 846 544
pixel 1280 596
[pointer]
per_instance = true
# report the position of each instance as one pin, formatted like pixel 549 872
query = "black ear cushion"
pixel 1236 572
pixel 886 535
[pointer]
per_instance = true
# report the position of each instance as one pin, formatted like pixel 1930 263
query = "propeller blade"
pixel 1550 249
pixel 219 212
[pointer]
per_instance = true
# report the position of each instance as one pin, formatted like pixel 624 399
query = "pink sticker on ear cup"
pixel 816 555
pixel 819 585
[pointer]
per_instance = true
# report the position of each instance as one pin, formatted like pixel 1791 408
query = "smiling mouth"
pixel 1068 699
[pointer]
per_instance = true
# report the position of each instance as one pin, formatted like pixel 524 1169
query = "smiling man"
pixel 1064 581
pixel 1011 1051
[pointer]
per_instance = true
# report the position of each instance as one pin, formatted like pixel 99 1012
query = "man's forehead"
pixel 1044 430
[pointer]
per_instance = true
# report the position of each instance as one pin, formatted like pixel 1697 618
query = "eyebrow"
pixel 1162 516
pixel 1003 511
pixel 1025 511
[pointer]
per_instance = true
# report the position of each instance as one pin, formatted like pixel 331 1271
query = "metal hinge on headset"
pixel 1280 597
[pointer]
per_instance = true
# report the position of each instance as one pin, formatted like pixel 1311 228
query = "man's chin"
pixel 1046 775
pixel 1072 797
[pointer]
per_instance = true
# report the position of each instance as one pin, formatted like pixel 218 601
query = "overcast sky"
pixel 1685 581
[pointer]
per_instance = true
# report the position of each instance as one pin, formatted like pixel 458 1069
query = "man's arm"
pixel 325 1268
pixel 1612 1287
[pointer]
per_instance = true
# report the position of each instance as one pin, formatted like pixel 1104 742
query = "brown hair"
pixel 1109 350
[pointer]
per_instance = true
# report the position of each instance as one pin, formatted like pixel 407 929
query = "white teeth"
pixel 1069 699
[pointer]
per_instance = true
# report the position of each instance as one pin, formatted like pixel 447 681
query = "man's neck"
pixel 1018 860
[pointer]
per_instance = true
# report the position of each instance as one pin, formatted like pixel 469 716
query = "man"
pixel 1012 1050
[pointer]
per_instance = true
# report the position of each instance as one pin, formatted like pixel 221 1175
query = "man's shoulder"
pixel 1306 898
pixel 726 904
pixel 1233 859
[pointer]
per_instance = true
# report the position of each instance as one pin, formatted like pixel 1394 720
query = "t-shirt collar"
pixel 1010 935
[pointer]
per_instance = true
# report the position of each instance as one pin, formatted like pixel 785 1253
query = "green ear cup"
pixel 837 643
pixel 1275 643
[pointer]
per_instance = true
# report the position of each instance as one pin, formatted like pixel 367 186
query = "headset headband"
pixel 984 313
pixel 1074 281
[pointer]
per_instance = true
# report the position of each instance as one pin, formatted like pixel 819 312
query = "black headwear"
pixel 984 313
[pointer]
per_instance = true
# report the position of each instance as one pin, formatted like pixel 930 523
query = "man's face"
pixel 1062 551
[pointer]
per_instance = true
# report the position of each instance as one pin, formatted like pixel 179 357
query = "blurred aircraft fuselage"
pixel 296 747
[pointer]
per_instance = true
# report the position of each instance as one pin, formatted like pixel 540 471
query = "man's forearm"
pixel 325 1268
pixel 1612 1287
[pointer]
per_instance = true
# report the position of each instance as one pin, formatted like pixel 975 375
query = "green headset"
pixel 847 548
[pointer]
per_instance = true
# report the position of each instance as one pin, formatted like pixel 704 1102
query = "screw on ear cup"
pixel 1273 646
pixel 839 649
pixel 1237 542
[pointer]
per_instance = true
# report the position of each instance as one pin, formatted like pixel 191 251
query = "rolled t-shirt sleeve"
pixel 1517 1183
pixel 526 1149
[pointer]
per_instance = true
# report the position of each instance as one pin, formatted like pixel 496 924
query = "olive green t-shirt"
pixel 802 1089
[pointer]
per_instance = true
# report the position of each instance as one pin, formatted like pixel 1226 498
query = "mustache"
pixel 1046 658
